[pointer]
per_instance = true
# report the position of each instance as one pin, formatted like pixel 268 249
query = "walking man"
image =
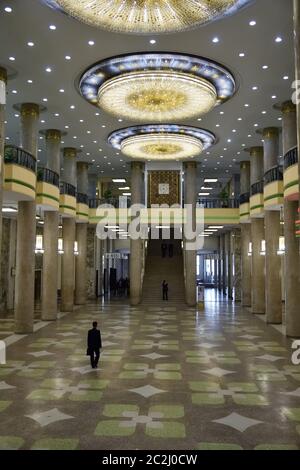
pixel 165 289
pixel 94 344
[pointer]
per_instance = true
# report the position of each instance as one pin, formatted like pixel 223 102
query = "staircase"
pixel 159 269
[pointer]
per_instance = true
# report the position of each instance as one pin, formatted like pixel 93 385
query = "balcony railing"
pixel 274 174
pixel 17 156
pixel 291 158
pixel 244 198
pixel 82 198
pixel 218 203
pixel 114 202
pixel 257 188
pixel 48 176
pixel 66 188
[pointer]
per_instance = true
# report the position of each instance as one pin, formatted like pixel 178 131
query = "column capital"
pixel 83 165
pixel 255 151
pixel 244 164
pixel 190 164
pixel 53 134
pixel 3 74
pixel 138 165
pixel 30 109
pixel 70 152
pixel 286 107
pixel 270 132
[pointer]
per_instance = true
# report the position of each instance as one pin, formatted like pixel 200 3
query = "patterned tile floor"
pixel 169 378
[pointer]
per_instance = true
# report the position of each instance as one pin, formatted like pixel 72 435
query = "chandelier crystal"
pixel 161 142
pixel 157 96
pixel 147 16
pixel 157 87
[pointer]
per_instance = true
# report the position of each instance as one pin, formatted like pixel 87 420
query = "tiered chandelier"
pixel 157 87
pixel 161 142
pixel 147 16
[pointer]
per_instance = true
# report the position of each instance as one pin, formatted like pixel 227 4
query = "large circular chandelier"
pixel 147 16
pixel 157 87
pixel 161 142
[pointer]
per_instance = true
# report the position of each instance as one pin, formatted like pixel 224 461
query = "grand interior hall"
pixel 149 182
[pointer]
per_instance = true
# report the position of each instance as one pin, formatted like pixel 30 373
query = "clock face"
pixel 164 188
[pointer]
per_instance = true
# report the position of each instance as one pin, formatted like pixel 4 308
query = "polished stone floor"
pixel 169 378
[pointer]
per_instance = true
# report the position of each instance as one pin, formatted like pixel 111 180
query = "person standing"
pixel 94 344
pixel 163 249
pixel 165 289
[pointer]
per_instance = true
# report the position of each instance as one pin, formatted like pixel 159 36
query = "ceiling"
pixel 88 127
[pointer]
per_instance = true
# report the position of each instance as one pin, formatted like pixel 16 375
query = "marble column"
pixel 190 198
pixel 81 238
pixel 68 230
pixel 136 246
pixel 292 258
pixel 3 80
pixel 257 236
pixel 297 66
pixel 236 252
pixel 228 257
pixel 26 231
pixel 51 223
pixel 220 264
pixel 224 265
pixel 246 265
pixel 245 241
pixel 272 234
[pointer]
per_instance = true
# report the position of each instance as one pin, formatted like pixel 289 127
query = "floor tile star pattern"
pixel 170 377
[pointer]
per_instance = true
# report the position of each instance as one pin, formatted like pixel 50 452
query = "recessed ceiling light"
pixel 242 54
pixel 278 39
pixel 285 77
pixel 152 41
pixel 45 100
pixel 252 23
pixel 48 69
pixel 265 67
pixel 91 43
pixel 61 90
pixel 8 9
pixel 12 59
pixel 30 44
pixel 255 88
pixel 29 81
pixel 72 106
pixel 216 40
pixel 68 57
pixel 274 97
pixel 52 27
pixel 14 92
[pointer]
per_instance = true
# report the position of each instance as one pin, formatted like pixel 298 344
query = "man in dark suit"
pixel 165 289
pixel 94 344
